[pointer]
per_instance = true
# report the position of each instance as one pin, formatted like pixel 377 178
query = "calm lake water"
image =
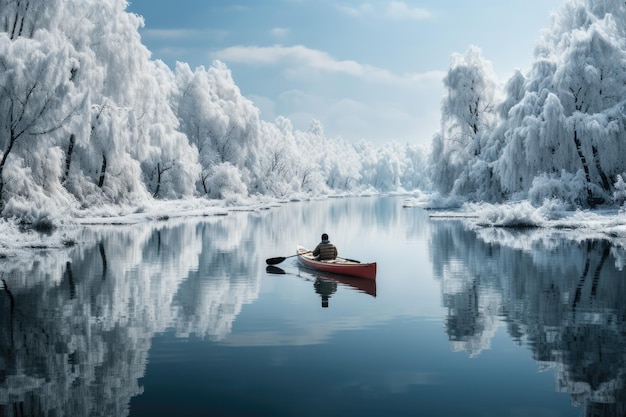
pixel 182 318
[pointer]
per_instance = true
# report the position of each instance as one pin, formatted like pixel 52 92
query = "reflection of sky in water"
pixel 182 318
pixel 401 368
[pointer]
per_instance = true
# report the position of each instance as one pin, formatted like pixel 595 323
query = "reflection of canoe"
pixel 339 266
pixel 367 286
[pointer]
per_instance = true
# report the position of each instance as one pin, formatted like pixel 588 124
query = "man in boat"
pixel 325 250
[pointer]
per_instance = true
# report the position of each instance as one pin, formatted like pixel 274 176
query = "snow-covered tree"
pixel 468 117
pixel 559 132
pixel 86 116
pixel 38 100
pixel 218 120
pixel 414 175
pixel 280 159
pixel 571 115
pixel 128 80
pixel 22 18
pixel 169 161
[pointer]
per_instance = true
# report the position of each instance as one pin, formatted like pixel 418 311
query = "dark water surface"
pixel 182 318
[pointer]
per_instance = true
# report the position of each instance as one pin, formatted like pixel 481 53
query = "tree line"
pixel 87 117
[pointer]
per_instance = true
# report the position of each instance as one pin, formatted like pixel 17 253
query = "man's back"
pixel 327 251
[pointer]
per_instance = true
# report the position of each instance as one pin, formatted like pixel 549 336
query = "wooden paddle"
pixel 279 259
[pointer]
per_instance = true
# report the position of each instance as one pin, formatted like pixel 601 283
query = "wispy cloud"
pixel 361 10
pixel 280 33
pixel 183 34
pixel 399 10
pixel 393 10
pixel 300 61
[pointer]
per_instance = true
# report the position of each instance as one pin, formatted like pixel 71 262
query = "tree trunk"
pixel 585 166
pixel 203 179
pixel 18 23
pixel 103 171
pixel 606 184
pixel 158 186
pixel 68 157
pixel 2 163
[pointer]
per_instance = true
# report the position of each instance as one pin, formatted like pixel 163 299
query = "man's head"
pixel 324 236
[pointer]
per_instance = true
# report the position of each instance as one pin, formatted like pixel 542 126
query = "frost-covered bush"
pixel 225 181
pixel 619 196
pixel 33 194
pixel 521 214
pixel 566 187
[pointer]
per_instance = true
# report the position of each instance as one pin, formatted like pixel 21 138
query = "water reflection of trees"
pixel 563 298
pixel 76 325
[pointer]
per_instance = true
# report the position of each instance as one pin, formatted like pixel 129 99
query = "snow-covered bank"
pixel 58 230
pixel 485 218
pixel 549 218
pixel 15 239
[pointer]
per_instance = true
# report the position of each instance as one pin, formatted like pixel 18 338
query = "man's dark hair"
pixel 324 236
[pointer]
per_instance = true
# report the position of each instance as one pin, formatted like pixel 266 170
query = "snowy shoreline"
pixel 17 239
pixel 609 224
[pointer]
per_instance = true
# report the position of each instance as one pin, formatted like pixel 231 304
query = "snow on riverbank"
pixel 58 230
pixel 551 216
pixel 16 239
pixel 491 221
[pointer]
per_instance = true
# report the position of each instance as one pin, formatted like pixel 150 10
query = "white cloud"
pixel 182 34
pixel 394 10
pixel 362 10
pixel 300 61
pixel 401 11
pixel 279 32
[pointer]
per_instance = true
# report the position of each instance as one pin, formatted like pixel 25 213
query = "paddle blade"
pixel 275 261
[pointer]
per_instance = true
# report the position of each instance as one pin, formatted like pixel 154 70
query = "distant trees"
pixel 86 117
pixel 282 168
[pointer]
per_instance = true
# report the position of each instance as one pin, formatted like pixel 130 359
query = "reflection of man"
pixel 325 250
pixel 325 289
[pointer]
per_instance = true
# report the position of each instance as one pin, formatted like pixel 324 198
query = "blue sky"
pixel 366 69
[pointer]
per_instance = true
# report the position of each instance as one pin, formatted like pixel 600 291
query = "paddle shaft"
pixel 279 259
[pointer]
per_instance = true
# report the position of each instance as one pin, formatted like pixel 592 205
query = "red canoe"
pixel 337 266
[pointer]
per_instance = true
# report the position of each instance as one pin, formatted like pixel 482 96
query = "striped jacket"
pixel 325 251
